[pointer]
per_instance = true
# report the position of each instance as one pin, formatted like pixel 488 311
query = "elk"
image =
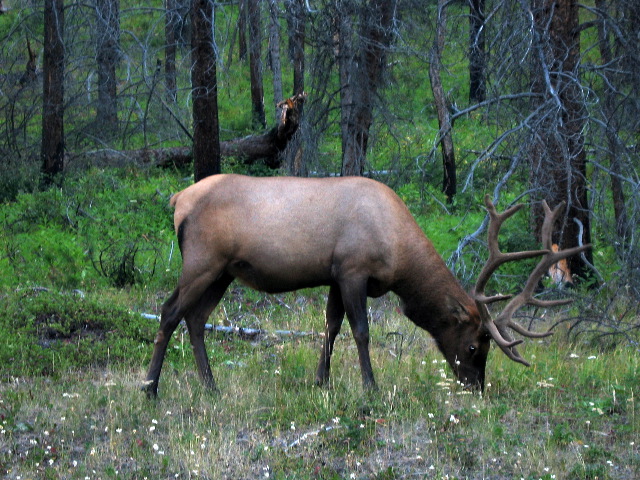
pixel 560 273
pixel 357 237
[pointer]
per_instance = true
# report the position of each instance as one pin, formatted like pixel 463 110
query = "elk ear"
pixel 457 309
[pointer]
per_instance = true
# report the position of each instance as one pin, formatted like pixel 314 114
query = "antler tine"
pixel 498 327
pixel 525 297
pixel 496 257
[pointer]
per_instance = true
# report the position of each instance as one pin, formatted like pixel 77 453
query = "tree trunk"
pixel 444 120
pixel 52 152
pixel 361 72
pixel 242 29
pixel 206 131
pixel 296 19
pixel 255 64
pixel 107 56
pixel 617 190
pixel 558 158
pixel 171 20
pixel 274 54
pixel 477 89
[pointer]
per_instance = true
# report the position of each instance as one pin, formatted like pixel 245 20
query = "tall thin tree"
pixel 362 66
pixel 206 129
pixel 170 24
pixel 477 54
pixel 558 156
pixel 107 56
pixel 444 120
pixel 255 63
pixel 52 150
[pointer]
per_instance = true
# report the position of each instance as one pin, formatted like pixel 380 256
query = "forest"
pixel 108 107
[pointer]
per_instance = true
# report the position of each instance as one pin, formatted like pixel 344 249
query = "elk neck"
pixel 430 293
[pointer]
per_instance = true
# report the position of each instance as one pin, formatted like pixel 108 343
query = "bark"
pixel 52 151
pixel 477 89
pixel 297 19
pixel 361 73
pixel 107 56
pixel 612 126
pixel 255 63
pixel 242 29
pixel 206 131
pixel 274 54
pixel 558 157
pixel 265 148
pixel 171 19
pixel 444 120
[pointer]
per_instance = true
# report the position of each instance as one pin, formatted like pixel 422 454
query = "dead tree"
pixel 52 150
pixel 558 156
pixel 445 137
pixel 206 130
pixel 264 148
pixel 107 56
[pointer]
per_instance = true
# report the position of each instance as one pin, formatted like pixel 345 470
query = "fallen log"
pixel 265 148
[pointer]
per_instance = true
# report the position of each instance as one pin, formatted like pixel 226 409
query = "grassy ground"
pixel 571 415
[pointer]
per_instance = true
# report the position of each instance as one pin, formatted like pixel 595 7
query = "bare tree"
pixel 255 63
pixel 477 89
pixel 206 130
pixel 296 19
pixel 52 152
pixel 362 61
pixel 558 156
pixel 107 57
pixel 170 20
pixel 449 185
pixel 612 125
pixel 274 54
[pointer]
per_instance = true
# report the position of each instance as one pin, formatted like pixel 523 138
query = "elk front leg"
pixel 334 317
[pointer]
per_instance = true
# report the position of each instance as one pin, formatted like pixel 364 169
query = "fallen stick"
pixel 245 332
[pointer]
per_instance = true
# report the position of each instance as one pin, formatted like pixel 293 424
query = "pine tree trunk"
pixel 52 152
pixel 255 64
pixel 274 54
pixel 107 48
pixel 206 134
pixel 171 17
pixel 477 88
pixel 558 157
pixel 445 137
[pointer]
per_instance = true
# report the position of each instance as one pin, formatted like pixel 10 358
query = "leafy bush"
pixel 48 333
pixel 103 228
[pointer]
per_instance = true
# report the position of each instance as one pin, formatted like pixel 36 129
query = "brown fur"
pixel 560 272
pixel 279 234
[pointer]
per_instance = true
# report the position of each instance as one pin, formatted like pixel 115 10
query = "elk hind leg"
pixel 354 294
pixel 169 319
pixel 334 317
pixel 196 320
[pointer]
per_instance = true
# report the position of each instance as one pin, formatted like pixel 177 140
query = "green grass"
pixel 571 415
pixel 71 365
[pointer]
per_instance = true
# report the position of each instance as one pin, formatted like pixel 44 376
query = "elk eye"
pixel 472 348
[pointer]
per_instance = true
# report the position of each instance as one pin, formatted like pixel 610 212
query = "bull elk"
pixel 353 235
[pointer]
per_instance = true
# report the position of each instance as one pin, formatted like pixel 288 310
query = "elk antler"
pixel 497 327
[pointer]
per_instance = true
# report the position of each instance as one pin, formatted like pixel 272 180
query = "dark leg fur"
pixel 335 315
pixel 354 294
